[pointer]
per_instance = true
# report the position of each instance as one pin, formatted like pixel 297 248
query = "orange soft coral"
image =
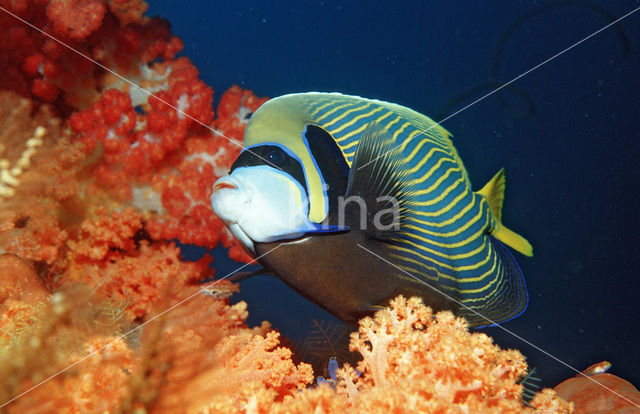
pixel 200 357
pixel 183 187
pixel 99 385
pixel 106 237
pixel 38 170
pixel 259 358
pixel 113 257
pixel 178 348
pixel 242 370
pixel 27 140
pixel 157 367
pixel 62 330
pixel 414 361
pixel 20 294
pixel 19 281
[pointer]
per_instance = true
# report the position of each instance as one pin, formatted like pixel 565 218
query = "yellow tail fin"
pixel 493 192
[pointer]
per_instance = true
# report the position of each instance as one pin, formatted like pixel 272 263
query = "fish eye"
pixel 276 156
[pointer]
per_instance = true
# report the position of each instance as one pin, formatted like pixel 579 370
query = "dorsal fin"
pixel 493 192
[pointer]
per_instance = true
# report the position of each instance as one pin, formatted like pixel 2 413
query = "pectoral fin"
pixel 238 276
pixel 377 185
pixel 308 228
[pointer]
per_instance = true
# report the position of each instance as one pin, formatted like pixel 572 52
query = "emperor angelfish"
pixel 352 201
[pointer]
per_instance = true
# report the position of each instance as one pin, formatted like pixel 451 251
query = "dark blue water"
pixel 572 161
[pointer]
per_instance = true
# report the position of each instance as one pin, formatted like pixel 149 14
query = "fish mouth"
pixel 227 182
pixel 223 184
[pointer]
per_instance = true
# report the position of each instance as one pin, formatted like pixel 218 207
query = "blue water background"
pixel 572 167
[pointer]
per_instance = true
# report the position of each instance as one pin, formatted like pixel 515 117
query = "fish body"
pixel 337 274
pixel 360 200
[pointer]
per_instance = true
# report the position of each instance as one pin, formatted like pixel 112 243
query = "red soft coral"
pixel 76 19
pixel 129 11
pixel 235 108
pixel 151 152
pixel 119 37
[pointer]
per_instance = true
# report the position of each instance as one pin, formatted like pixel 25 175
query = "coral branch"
pixel 414 361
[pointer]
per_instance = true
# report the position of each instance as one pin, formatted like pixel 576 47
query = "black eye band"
pixel 260 154
pixel 277 156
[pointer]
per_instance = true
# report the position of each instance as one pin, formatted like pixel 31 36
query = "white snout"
pixel 261 204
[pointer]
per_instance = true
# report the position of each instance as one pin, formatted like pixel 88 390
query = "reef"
pixel 101 182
